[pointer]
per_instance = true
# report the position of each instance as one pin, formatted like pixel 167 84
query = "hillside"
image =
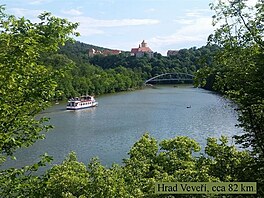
pixel 114 73
pixel 78 51
pixel 186 60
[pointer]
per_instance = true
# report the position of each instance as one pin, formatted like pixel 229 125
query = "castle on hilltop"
pixel 142 50
pixel 92 52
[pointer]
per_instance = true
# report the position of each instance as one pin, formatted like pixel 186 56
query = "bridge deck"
pixel 172 77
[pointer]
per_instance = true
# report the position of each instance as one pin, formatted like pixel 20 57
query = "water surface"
pixel 109 130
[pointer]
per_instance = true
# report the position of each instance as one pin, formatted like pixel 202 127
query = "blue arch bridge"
pixel 171 78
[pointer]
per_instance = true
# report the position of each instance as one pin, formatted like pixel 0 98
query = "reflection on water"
pixel 109 130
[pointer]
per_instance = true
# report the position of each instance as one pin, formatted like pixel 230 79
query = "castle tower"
pixel 142 50
pixel 143 44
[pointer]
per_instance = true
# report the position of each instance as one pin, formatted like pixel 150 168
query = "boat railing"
pixel 82 98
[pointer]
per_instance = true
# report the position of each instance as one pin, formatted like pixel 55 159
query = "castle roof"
pixel 141 48
pixel 134 50
pixel 144 49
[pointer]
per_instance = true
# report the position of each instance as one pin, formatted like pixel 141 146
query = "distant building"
pixel 172 52
pixel 92 52
pixel 111 52
pixel 142 50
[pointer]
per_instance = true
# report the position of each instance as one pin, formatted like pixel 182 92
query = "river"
pixel 109 130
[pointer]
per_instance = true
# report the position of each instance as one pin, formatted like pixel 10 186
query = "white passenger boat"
pixel 81 103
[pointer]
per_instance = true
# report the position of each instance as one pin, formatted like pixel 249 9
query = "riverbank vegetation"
pixel 114 73
pixel 31 76
pixel 238 72
pixel 149 161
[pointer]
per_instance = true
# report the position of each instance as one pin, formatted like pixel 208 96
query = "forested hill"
pixel 113 73
pixel 78 51
pixel 33 73
pixel 186 60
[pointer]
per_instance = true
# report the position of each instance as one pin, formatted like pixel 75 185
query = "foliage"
pixel 186 61
pixel 238 71
pixel 75 78
pixel 78 51
pixel 30 71
pixel 70 176
pixel 148 162
pixel 113 73
pixel 22 182
pixel 26 86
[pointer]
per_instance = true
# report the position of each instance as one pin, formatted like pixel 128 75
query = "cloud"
pixel 193 28
pixel 91 22
pixel 90 26
pixel 183 21
pixel 73 12
pixel 34 2
pixel 195 31
pixel 197 13
pixel 86 31
pixel 150 10
pixel 193 16
pixel 21 12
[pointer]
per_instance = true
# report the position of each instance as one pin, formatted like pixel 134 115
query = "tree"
pixel 62 66
pixel 68 177
pixel 238 70
pixel 228 163
pixel 170 160
pixel 26 84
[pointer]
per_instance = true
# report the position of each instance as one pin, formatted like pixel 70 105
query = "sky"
pixel 124 24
